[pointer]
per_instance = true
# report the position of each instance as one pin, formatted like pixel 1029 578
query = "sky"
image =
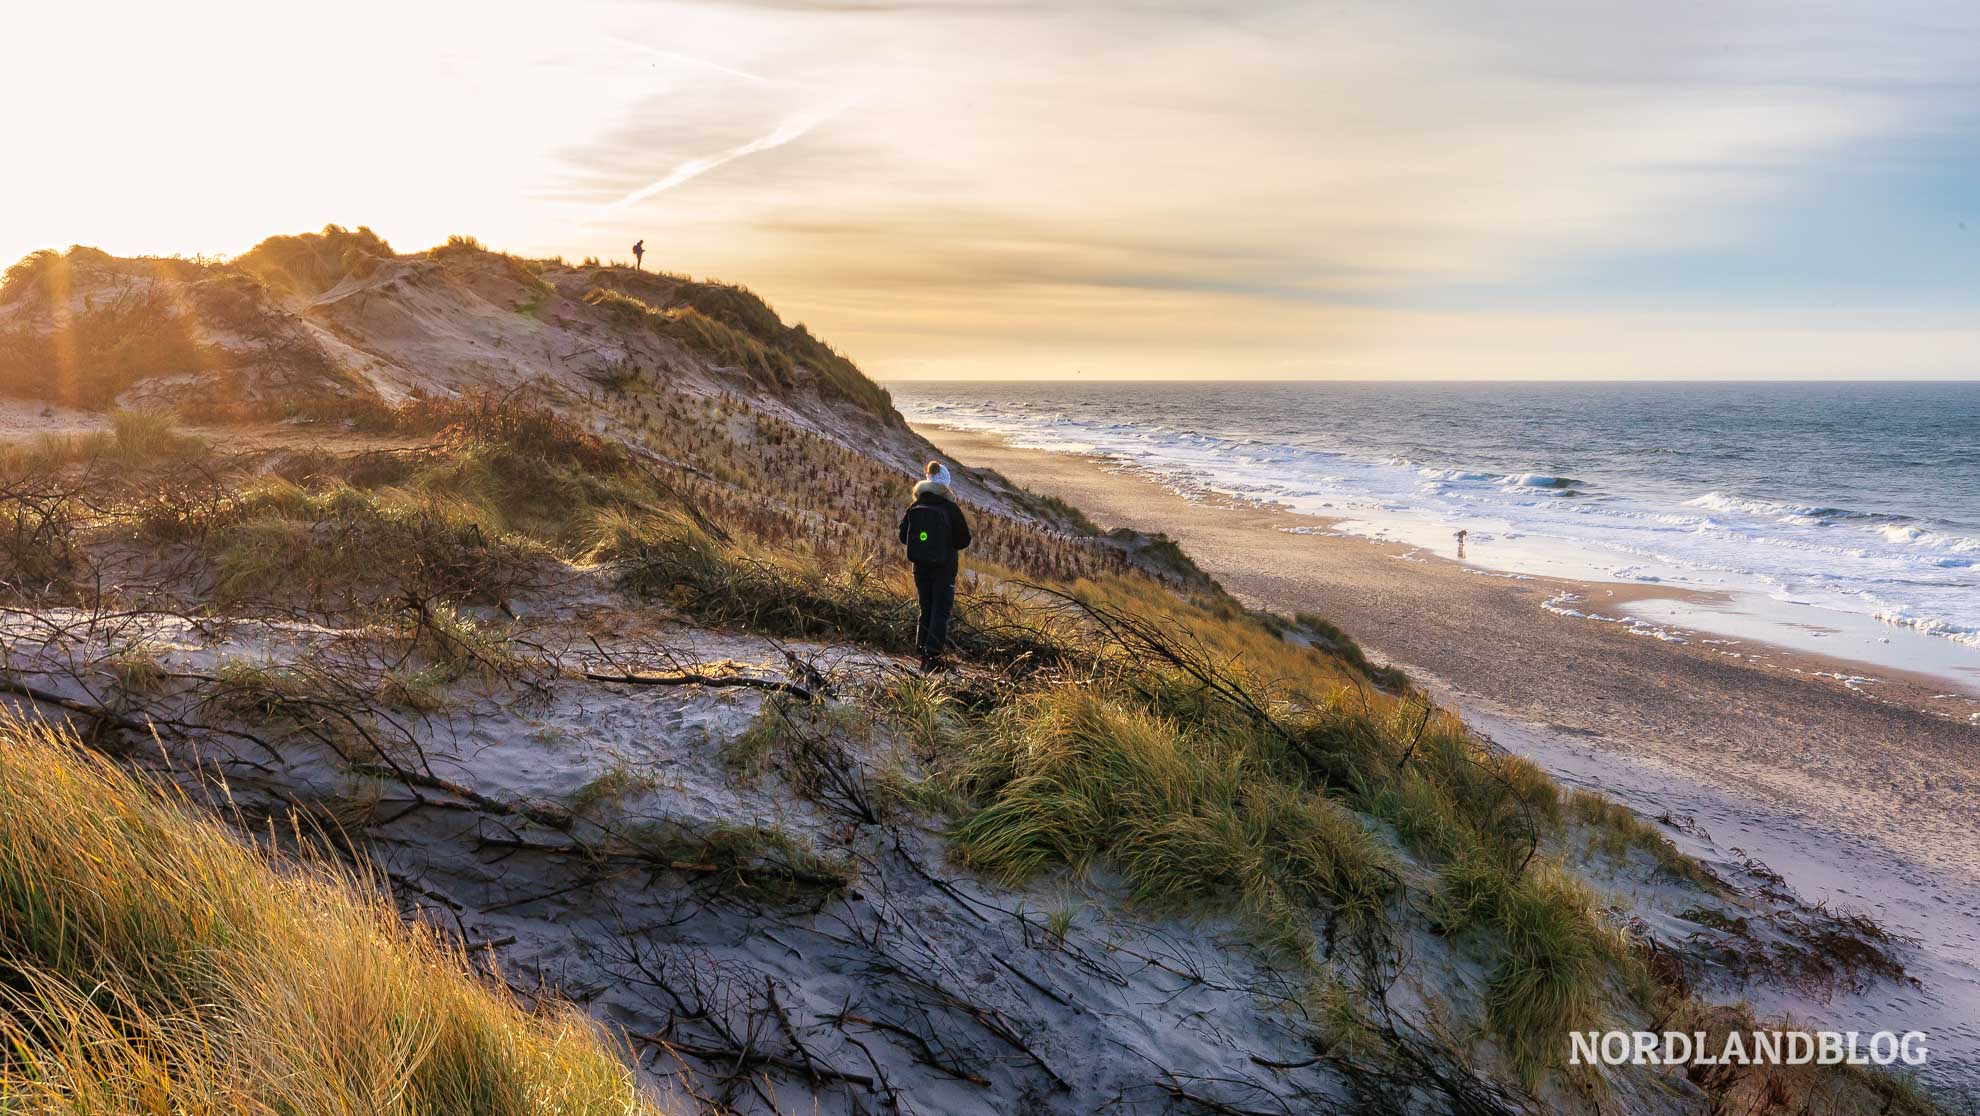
pixel 1550 189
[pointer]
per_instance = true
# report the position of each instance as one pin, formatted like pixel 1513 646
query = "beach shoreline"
pixel 1894 755
pixel 1864 789
pixel 1115 496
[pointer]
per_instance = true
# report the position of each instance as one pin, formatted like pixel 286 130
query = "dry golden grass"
pixel 151 961
pixel 130 335
pixel 314 262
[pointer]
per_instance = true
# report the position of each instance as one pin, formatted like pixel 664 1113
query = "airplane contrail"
pixel 679 58
pixel 784 133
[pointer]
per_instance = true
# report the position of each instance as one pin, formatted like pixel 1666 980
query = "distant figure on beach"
pixel 639 254
pixel 1460 538
pixel 935 534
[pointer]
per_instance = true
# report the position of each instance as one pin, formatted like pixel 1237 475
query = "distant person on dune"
pixel 935 534
pixel 639 254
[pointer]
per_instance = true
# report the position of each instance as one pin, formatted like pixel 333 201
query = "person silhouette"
pixel 936 533
pixel 639 254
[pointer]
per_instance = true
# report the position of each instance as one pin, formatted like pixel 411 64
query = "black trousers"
pixel 935 584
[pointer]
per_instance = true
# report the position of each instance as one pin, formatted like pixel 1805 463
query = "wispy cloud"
pixel 1156 187
pixel 792 128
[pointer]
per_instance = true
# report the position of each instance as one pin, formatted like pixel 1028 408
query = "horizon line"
pixel 884 381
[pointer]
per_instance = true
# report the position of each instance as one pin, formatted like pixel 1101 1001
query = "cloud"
pixel 791 129
pixel 1282 164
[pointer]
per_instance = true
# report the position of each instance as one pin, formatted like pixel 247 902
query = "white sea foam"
pixel 1930 625
pixel 1536 480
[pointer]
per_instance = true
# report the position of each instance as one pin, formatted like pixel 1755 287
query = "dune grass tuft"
pixel 277 539
pixel 463 520
pixel 1556 955
pixel 1069 775
pixel 1615 829
pixel 152 961
pixel 314 262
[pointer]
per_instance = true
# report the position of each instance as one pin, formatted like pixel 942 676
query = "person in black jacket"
pixel 935 533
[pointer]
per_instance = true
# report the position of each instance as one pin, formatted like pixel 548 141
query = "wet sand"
pixel 1895 760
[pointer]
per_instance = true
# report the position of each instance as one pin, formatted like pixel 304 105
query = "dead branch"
pixel 740 1058
pixel 709 680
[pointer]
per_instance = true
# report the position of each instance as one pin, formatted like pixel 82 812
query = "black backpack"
pixel 928 534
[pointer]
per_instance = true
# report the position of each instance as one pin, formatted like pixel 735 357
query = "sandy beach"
pixel 1865 793
pixel 1783 722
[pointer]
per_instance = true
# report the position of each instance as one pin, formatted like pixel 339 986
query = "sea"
pixel 1836 517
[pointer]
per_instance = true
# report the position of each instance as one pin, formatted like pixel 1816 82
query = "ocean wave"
pixel 1504 480
pixel 1905 570
pixel 1719 501
pixel 1809 514
pixel 1540 480
pixel 1913 535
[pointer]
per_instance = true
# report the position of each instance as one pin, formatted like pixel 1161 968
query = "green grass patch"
pixel 1063 777
pixel 1616 829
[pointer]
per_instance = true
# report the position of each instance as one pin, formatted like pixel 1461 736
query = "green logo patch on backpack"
pixel 928 535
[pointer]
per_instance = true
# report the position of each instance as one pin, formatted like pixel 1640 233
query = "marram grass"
pixel 152 961
pixel 1070 774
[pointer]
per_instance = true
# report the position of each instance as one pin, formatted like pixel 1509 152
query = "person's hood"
pixel 932 487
